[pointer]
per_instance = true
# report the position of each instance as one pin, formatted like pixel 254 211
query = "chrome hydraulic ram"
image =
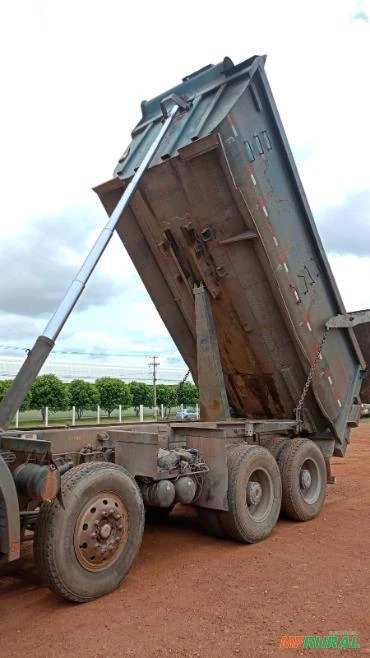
pixel 45 343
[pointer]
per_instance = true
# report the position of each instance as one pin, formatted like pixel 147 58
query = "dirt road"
pixel 191 595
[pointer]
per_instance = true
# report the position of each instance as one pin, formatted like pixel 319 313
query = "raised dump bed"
pixel 222 206
pixel 221 234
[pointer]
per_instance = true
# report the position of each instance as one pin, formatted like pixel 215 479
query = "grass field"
pixel 34 418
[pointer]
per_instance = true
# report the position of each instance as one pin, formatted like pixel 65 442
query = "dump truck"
pixel 209 205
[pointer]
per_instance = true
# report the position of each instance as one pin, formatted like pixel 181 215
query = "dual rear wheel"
pixel 85 547
pixel 303 474
pixel 284 475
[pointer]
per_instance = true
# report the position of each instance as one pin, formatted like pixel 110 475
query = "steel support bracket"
pixel 348 320
pixel 214 404
pixel 173 99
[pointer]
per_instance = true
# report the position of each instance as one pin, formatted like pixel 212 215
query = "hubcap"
pixel 310 481
pixel 105 530
pixel 305 478
pixel 259 494
pixel 254 493
pixel 101 532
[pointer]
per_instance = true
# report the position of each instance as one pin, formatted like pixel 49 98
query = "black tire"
pixel 275 445
pixel 303 495
pixel 209 520
pixel 254 494
pixel 85 550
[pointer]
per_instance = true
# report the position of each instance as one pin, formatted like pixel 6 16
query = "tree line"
pixel 109 392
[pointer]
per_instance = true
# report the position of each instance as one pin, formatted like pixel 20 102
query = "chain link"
pixel 308 382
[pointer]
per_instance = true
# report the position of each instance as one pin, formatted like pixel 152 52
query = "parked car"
pixel 365 410
pixel 187 414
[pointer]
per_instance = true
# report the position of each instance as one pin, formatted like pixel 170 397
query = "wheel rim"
pixel 259 494
pixel 101 531
pixel 310 481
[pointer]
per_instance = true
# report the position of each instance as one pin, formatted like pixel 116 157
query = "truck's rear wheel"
pixel 275 445
pixel 303 474
pixel 254 494
pixel 86 549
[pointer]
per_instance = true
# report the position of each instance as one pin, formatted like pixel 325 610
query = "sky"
pixel 73 75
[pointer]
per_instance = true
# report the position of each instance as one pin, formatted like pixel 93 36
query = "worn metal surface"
pixel 101 531
pixel 223 205
pixel 36 482
pixel 211 444
pixel 136 447
pixel 9 515
pixel 137 451
pixel 31 367
pixel 348 320
pixel 26 442
pixel 213 399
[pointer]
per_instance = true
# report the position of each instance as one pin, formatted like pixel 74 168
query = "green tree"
pixel 188 394
pixel 82 395
pixel 140 394
pixel 112 393
pixel 166 395
pixel 49 391
pixel 5 384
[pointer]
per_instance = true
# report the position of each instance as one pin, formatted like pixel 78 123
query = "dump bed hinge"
pixel 348 320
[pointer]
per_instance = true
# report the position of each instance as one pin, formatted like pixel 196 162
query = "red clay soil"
pixel 192 595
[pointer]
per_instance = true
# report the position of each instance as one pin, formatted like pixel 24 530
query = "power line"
pixel 132 369
pixel 77 352
pixel 10 375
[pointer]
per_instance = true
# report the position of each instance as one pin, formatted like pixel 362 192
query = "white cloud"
pixel 74 74
pixel 352 274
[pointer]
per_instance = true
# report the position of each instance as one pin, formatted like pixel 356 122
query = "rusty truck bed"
pixel 222 204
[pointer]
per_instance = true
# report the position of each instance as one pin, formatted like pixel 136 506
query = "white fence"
pixel 70 417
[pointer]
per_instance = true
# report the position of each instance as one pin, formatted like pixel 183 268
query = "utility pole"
pixel 154 364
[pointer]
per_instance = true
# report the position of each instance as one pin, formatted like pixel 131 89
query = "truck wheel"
pixel 254 494
pixel 86 549
pixel 303 474
pixel 209 520
pixel 275 444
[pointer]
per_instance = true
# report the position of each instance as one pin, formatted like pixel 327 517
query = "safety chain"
pixel 308 382
pixel 177 393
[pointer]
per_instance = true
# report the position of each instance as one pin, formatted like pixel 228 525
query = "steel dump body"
pixel 222 205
